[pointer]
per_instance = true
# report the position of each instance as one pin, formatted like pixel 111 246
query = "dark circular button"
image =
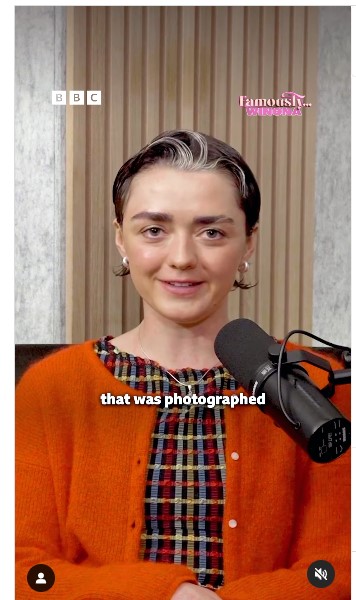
pixel 40 578
pixel 321 573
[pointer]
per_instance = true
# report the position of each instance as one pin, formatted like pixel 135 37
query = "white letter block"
pixel 76 97
pixel 93 97
pixel 59 97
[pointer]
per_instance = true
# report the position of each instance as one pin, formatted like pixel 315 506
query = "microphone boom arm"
pixel 339 377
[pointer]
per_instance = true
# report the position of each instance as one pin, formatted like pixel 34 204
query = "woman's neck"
pixel 175 346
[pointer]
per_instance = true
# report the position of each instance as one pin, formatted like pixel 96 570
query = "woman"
pixel 180 503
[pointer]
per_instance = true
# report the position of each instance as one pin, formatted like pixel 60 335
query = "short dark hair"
pixel 191 151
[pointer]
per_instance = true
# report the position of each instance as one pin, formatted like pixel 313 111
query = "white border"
pixel 7 305
pixel 7 43
pixel 353 181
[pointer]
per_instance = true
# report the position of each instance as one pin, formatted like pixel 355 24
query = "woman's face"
pixel 185 237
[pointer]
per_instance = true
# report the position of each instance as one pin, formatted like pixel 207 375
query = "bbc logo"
pixel 76 97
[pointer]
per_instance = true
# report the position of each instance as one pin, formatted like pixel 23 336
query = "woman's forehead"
pixel 184 196
pixel 167 186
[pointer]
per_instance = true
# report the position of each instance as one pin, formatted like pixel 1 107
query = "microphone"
pixel 242 347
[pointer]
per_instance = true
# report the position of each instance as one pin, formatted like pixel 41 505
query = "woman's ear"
pixel 119 242
pixel 251 244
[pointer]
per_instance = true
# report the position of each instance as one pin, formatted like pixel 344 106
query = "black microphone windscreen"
pixel 242 346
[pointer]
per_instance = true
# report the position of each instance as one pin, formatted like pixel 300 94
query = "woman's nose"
pixel 182 252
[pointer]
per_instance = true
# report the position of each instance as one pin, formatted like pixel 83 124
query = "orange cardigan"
pixel 81 473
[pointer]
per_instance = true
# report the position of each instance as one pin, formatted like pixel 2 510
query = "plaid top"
pixel 186 472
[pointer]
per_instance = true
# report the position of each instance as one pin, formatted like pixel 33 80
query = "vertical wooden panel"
pixel 187 72
pixel 134 138
pixel 134 89
pixel 279 232
pixel 115 94
pixel 235 115
pixel 266 160
pixel 308 170
pixel 294 240
pixel 235 35
pixel 219 80
pixel 203 59
pixel 152 63
pixel 76 178
pixel 170 68
pixel 95 195
pixel 250 149
pixel 185 67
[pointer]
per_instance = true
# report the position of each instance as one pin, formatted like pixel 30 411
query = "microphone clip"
pixel 338 377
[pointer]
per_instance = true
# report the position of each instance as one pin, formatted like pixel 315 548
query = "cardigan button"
pixel 232 523
pixel 235 456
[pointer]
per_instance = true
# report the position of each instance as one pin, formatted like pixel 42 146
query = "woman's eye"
pixel 214 234
pixel 152 231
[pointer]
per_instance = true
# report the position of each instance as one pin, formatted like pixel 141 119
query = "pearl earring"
pixel 244 267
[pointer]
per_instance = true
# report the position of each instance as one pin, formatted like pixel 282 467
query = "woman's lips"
pixel 182 288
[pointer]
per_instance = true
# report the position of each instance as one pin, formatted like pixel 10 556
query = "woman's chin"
pixel 186 316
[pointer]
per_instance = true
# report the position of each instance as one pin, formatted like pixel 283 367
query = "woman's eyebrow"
pixel 166 218
pixel 208 220
pixel 153 216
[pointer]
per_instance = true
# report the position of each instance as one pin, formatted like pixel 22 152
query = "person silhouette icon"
pixel 41 578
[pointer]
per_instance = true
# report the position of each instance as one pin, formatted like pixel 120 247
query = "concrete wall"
pixel 332 257
pixel 39 175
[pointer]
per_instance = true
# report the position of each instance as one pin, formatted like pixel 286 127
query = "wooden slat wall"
pixel 164 68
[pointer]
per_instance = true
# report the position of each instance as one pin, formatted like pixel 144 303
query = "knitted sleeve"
pixel 38 538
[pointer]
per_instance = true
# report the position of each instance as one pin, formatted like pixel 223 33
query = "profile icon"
pixel 40 578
